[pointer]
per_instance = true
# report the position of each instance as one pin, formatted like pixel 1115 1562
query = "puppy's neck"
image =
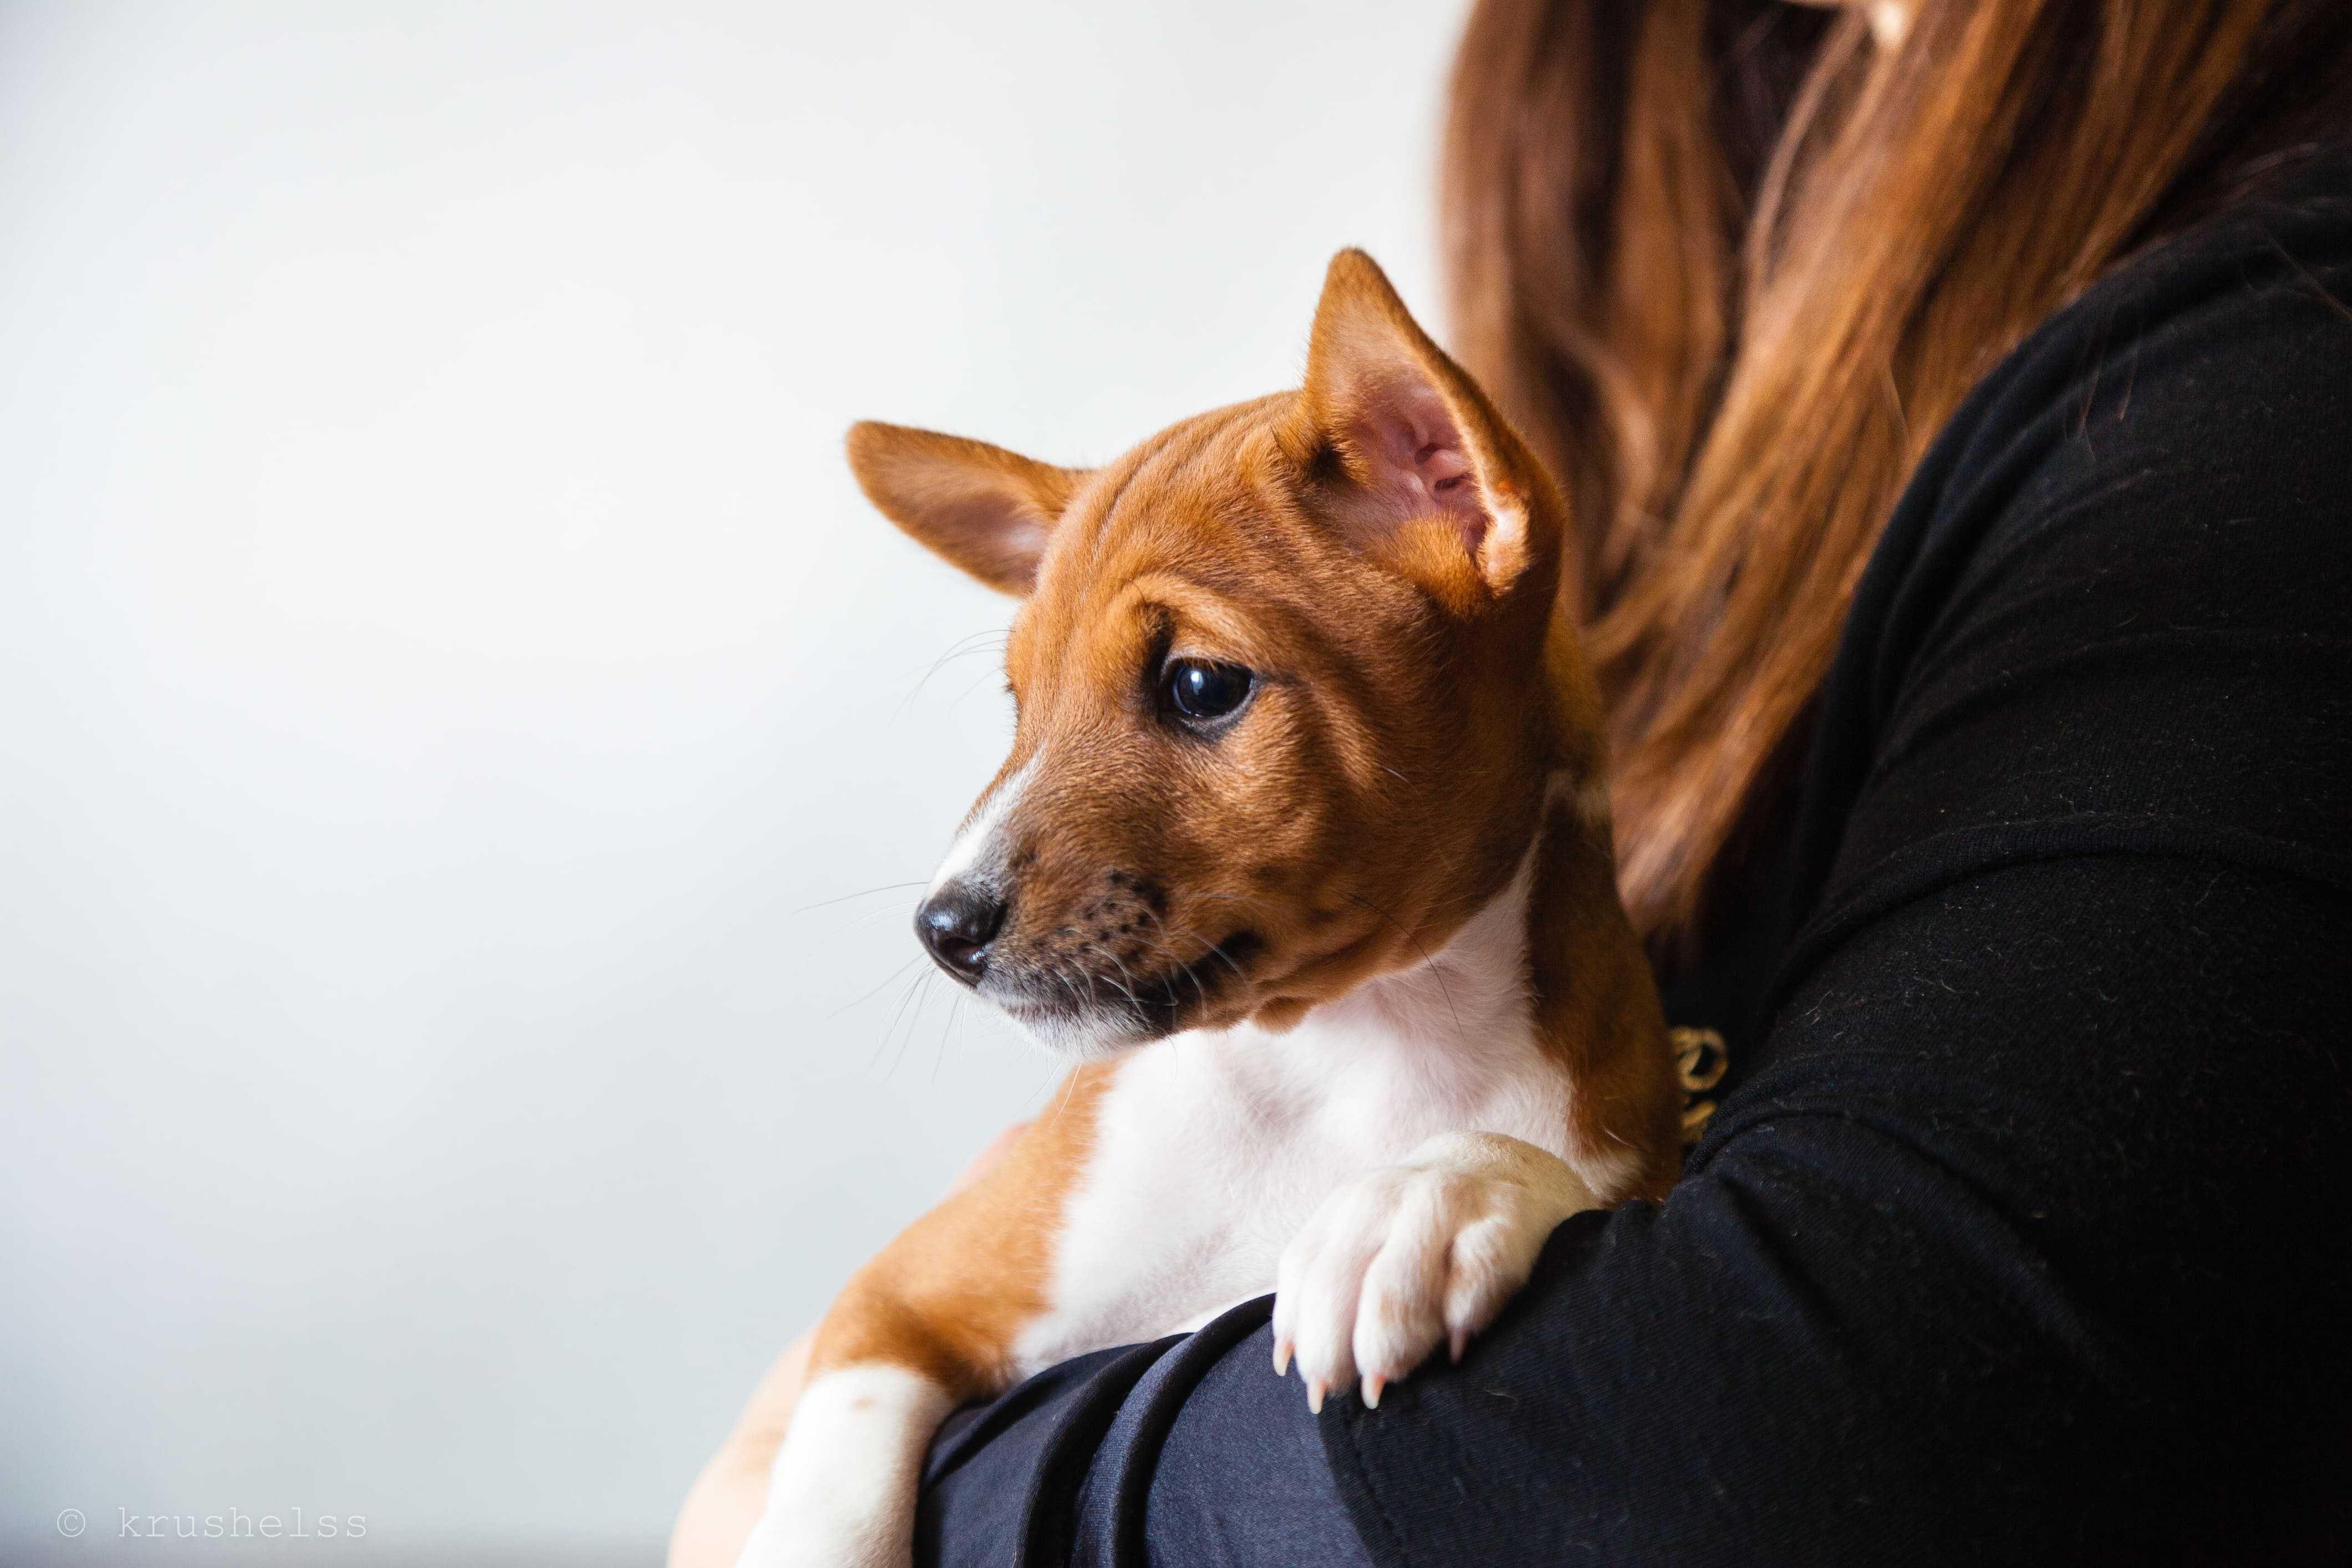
pixel 1545 984
pixel 1472 987
pixel 1472 990
pixel 1450 1040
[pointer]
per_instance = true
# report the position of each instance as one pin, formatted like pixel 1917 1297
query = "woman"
pixel 1958 400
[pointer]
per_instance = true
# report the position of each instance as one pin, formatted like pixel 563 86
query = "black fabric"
pixel 2024 1232
pixel 1186 1453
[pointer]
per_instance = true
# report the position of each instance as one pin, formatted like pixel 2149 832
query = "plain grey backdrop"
pixel 454 704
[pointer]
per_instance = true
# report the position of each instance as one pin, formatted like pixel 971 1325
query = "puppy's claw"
pixel 1282 1357
pixel 1411 1257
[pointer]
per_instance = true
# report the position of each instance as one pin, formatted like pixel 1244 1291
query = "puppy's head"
pixel 1284 713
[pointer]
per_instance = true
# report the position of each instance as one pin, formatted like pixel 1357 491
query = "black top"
pixel 2025 1232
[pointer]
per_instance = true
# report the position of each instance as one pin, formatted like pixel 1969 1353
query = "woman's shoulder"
pixel 2109 615
pixel 2178 441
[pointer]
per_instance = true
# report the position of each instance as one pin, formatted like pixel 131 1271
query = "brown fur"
pixel 949 1295
pixel 1422 694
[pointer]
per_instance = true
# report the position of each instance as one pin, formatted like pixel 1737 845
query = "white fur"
pixel 1416 1255
pixel 1395 1160
pixel 1212 1149
pixel 842 1491
pixel 977 841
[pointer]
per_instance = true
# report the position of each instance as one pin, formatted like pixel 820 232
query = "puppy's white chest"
pixel 1212 1149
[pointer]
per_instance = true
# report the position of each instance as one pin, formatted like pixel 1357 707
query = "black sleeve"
pixel 2031 1240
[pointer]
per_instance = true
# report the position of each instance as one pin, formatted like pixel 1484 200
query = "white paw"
pixel 1416 1255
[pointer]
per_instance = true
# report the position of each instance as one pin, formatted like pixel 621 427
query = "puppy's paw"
pixel 1416 1255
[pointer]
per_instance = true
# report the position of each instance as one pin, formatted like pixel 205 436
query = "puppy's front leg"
pixel 842 1491
pixel 917 1331
pixel 929 1324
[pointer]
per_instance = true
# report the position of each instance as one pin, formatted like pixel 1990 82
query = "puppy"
pixel 1302 858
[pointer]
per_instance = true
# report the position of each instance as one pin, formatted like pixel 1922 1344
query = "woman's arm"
pixel 2030 1237
pixel 729 1496
pixel 2034 1242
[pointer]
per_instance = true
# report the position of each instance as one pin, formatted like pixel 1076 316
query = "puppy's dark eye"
pixel 1196 689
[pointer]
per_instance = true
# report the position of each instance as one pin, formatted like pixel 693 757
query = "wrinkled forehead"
pixel 1196 536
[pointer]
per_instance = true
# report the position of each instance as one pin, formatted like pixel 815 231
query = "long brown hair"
pixel 1730 264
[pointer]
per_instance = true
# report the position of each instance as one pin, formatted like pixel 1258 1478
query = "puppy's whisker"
pixel 882 1041
pixel 1211 949
pixel 1217 952
pixel 913 992
pixel 1183 967
pixel 1125 983
pixel 1189 970
pixel 887 981
pixel 980 641
pixel 861 893
pixel 1062 1101
pixel 1427 963
pixel 965 695
pixel 1077 996
pixel 955 1005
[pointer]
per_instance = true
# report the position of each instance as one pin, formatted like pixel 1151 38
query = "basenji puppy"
pixel 1302 858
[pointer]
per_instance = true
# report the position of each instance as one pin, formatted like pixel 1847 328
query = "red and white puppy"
pixel 1302 857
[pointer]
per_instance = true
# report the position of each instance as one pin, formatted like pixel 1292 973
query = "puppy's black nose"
pixel 957 923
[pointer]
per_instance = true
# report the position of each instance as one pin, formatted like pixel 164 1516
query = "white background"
pixel 442 660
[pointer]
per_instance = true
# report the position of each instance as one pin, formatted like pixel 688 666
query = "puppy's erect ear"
pixel 985 510
pixel 1431 478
